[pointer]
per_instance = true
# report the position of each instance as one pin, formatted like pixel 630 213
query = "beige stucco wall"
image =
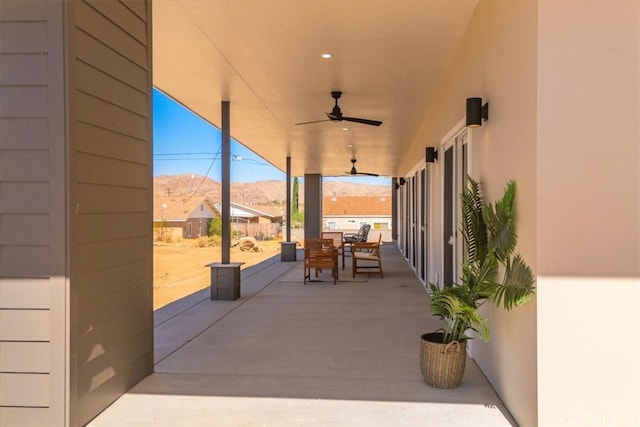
pixel 505 149
pixel 589 213
pixel 496 60
pixel 562 80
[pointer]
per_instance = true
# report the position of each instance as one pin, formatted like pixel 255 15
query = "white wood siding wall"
pixel 110 201
pixel 32 214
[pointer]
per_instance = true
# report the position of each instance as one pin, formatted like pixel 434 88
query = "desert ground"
pixel 179 267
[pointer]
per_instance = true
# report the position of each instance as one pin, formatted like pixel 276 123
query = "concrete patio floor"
pixel 285 354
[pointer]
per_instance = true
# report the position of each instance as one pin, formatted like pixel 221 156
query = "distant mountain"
pixel 338 188
pixel 269 196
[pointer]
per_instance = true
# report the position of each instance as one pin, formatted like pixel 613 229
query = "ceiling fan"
pixel 336 114
pixel 353 170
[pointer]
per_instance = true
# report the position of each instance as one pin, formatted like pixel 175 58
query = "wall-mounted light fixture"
pixel 476 112
pixel 400 182
pixel 431 154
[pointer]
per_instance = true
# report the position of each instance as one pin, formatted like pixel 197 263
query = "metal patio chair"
pixel 361 236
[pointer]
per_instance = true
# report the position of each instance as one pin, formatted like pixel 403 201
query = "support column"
pixel 312 205
pixel 287 247
pixel 225 276
pixel 226 184
pixel 288 232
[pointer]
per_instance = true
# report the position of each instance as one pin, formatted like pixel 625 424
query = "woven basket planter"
pixel 442 364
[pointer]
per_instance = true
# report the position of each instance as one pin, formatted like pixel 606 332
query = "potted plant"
pixel 492 272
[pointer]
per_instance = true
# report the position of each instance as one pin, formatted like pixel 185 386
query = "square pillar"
pixel 312 205
pixel 288 251
pixel 225 281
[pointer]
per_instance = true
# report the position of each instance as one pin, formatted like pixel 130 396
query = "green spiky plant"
pixel 490 241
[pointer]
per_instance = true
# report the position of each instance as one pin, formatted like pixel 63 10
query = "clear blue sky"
pixel 184 143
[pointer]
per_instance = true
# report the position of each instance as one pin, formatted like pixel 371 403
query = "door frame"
pixel 458 138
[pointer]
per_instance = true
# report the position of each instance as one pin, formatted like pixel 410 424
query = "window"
pixel 331 225
pixel 380 225
pixel 187 230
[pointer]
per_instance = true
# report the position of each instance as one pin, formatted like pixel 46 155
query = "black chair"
pixel 359 237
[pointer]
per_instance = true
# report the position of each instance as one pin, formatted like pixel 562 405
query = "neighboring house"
pixel 182 218
pixel 191 218
pixel 198 221
pixel 246 221
pixel 348 213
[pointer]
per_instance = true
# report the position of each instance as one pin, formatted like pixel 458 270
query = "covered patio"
pixel 288 354
pixel 76 256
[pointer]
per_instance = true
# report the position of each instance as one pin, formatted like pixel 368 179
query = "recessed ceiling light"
pixel 349 145
pixel 345 129
pixel 326 55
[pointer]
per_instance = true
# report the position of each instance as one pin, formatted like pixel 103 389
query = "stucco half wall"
pixel 589 213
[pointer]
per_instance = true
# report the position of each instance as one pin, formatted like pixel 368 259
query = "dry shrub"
pixel 207 242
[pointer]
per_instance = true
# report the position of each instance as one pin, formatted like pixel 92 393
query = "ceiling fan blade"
pixel 336 115
pixel 314 121
pixel 363 121
pixel 361 173
pixel 353 171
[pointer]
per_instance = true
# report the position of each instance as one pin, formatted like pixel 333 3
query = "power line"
pixel 217 155
pixel 186 154
pixel 182 159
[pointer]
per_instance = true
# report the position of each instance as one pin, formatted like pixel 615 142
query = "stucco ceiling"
pixel 264 57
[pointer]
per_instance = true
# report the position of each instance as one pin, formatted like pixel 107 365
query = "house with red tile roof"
pixel 348 213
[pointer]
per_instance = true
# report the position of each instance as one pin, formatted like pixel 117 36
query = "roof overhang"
pixel 264 57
